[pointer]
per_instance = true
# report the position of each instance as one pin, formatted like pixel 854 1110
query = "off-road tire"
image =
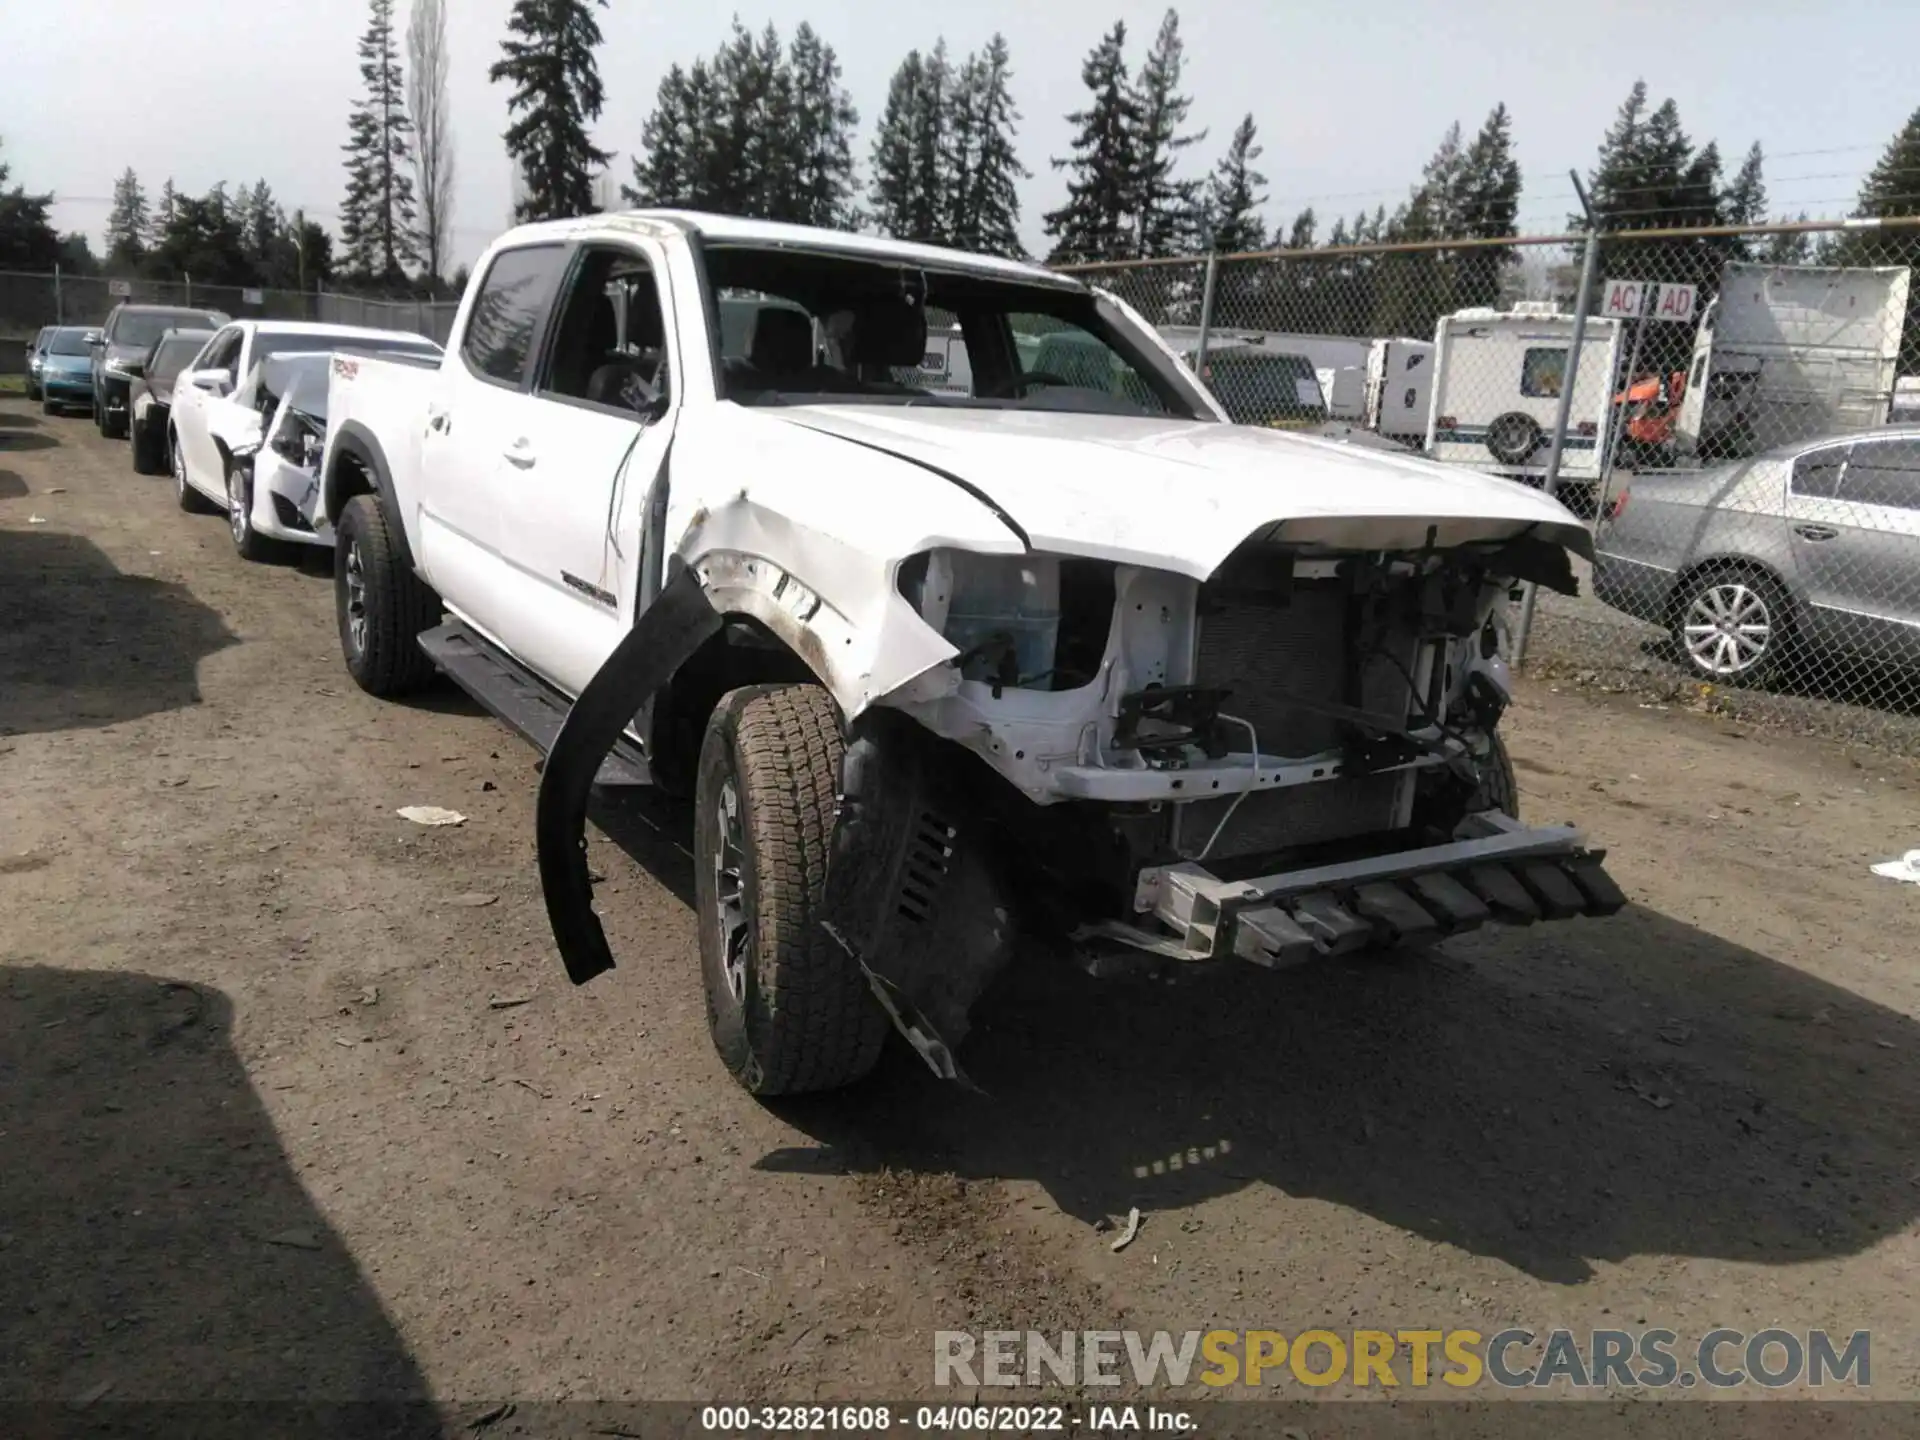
pixel 396 605
pixel 806 1019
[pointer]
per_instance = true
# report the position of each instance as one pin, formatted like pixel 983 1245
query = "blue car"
pixel 34 362
pixel 66 369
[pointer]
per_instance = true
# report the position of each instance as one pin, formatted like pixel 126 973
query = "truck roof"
pixel 735 228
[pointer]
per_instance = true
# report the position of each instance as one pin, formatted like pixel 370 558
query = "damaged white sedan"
pixel 227 409
pixel 1066 654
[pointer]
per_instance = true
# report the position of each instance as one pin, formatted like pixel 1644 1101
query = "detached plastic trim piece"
pixel 662 639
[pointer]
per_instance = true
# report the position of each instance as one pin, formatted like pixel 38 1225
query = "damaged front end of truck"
pixel 1282 752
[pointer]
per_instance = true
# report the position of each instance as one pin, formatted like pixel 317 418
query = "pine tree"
pixel 1891 189
pixel 549 60
pixel 1167 211
pixel 1095 223
pixel 1489 210
pixel 162 217
pixel 898 207
pixel 1787 247
pixel 263 224
pixel 1745 201
pixel 1299 236
pixel 662 173
pixel 993 209
pixel 927 149
pixel 128 221
pixel 377 214
pixel 28 240
pixel 1233 206
pixel 820 150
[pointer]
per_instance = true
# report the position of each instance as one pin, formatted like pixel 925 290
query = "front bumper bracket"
pixel 1493 868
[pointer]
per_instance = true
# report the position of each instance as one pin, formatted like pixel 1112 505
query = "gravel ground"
pixel 297 1103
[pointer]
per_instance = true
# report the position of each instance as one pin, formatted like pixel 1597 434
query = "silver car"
pixel 1811 550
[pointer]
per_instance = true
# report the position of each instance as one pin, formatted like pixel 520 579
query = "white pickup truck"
pixel 1051 655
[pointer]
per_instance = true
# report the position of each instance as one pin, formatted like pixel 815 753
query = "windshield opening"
pixel 68 342
pixel 798 326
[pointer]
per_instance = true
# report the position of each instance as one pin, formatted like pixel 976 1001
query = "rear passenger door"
pixel 465 430
pixel 1879 555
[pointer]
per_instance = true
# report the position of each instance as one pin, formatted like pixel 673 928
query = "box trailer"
pixel 1790 352
pixel 1400 389
pixel 1496 391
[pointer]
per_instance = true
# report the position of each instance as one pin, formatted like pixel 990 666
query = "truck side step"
pixel 519 697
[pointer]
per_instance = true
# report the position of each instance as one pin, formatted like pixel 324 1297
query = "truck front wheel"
pixel 381 605
pixel 788 1006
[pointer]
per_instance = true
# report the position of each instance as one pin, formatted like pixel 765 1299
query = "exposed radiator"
pixel 1264 652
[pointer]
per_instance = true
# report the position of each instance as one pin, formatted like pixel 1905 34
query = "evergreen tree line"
pixel 766 127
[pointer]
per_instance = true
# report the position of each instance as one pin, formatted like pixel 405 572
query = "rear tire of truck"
pixel 380 604
pixel 787 1005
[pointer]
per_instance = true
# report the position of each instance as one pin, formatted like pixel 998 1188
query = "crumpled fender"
pixel 832 604
pixel 665 636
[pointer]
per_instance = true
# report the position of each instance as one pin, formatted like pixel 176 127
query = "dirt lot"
pixel 268 1135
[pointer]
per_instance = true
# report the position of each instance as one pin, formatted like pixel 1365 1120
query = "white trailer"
pixel 1790 352
pixel 1400 389
pixel 1496 391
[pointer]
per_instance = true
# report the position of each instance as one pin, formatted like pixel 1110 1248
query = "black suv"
pixel 127 336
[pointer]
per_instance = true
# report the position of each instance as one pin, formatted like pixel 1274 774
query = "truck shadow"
pixel 154 1238
pixel 84 645
pixel 1554 1097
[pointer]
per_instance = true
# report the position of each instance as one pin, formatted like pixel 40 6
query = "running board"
pixel 525 702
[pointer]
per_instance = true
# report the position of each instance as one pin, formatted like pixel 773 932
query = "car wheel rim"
pixel 237 515
pixel 355 575
pixel 730 890
pixel 179 467
pixel 1728 628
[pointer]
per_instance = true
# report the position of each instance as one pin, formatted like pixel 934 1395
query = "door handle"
pixel 1815 532
pixel 520 452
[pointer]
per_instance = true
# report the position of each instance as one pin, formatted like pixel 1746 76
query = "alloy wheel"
pixel 730 888
pixel 354 573
pixel 1728 628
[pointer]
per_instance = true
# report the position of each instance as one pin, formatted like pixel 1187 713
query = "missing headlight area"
pixel 1026 622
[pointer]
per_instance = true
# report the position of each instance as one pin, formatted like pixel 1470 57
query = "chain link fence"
pixel 1736 413
pixel 30 301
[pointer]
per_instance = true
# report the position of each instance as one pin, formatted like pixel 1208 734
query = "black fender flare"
pixel 356 440
pixel 664 636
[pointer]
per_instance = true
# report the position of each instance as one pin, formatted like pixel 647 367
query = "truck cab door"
pixel 463 430
pixel 579 448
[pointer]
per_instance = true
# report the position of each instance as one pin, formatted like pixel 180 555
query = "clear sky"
pixel 1349 98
